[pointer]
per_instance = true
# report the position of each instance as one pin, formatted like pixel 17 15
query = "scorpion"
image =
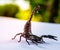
pixel 27 33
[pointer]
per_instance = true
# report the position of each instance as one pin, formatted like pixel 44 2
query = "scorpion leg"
pixel 20 38
pixel 34 42
pixel 27 41
pixel 41 41
pixel 16 35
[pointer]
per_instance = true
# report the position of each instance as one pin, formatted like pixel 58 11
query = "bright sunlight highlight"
pixel 24 5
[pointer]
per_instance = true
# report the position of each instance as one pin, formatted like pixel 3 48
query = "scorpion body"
pixel 27 33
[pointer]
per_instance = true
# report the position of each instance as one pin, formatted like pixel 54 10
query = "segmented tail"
pixel 37 8
pixel 49 36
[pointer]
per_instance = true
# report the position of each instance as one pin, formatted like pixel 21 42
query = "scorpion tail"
pixel 49 36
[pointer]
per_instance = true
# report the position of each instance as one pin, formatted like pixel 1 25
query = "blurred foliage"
pixel 23 14
pixel 9 10
pixel 49 11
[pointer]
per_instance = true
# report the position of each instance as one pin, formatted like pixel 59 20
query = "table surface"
pixel 10 26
